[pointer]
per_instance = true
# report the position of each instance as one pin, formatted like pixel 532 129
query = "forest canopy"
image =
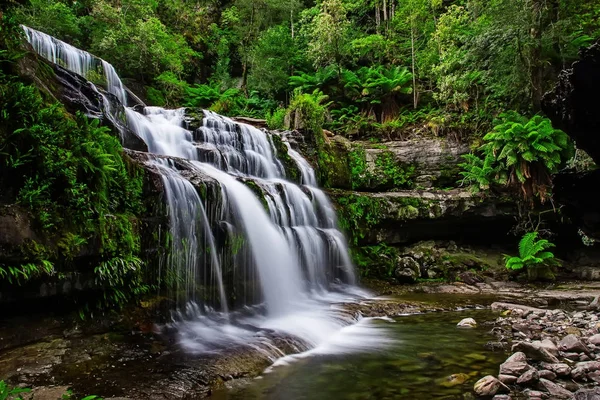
pixel 455 63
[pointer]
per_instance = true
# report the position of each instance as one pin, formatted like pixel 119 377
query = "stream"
pixel 424 351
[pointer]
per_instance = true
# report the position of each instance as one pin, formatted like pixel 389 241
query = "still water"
pixel 416 361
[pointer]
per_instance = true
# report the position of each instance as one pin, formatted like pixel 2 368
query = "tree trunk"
pixel 414 76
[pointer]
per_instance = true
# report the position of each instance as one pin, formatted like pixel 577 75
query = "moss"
pixel 359 214
pixel 408 212
pixel 258 192
pixel 291 168
pixel 377 261
pixel 385 175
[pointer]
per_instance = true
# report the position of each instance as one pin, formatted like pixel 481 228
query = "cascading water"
pixel 75 60
pixel 264 245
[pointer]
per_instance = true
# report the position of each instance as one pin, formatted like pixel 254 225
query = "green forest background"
pixel 381 64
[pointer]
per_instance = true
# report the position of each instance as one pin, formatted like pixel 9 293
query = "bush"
pixel 276 119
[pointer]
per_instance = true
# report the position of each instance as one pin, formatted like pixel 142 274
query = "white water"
pixel 282 263
pixel 75 60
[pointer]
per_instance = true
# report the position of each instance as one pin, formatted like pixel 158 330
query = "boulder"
pixel 515 368
pixel 588 394
pixel 595 339
pixel 408 270
pixel 571 343
pixel 536 351
pixel 560 369
pixel 582 369
pixel 528 377
pixel 507 379
pixel 467 323
pixel 545 374
pixel 555 391
pixel 487 386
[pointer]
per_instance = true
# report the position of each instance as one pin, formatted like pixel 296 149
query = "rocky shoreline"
pixel 556 354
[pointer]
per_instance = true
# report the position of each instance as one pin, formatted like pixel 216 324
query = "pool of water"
pixel 416 360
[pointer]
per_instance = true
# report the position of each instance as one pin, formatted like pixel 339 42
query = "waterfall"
pixel 254 242
pixel 75 60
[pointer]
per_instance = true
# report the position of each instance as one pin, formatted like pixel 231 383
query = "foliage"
pixel 358 215
pixel 308 111
pixel 520 152
pixel 386 172
pixel 276 119
pixel 379 260
pixel 73 178
pixel 533 254
pixel 11 393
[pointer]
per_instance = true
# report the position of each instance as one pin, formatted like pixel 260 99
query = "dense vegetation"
pixel 380 69
pixel 71 176
pixel 382 64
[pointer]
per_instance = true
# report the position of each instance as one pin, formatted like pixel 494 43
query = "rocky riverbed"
pixel 125 358
pixel 556 354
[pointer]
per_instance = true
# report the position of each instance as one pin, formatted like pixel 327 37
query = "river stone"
pixel 555 391
pixel 455 380
pixel 518 356
pixel 515 365
pixel 487 386
pixel 588 394
pixel 594 339
pixel 535 351
pixel 502 397
pixel 560 369
pixel 546 374
pixel 535 395
pixel 583 368
pixel 507 379
pixel 571 343
pixel 528 377
pixel 467 323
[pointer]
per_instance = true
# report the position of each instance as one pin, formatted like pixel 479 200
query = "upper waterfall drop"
pixel 75 60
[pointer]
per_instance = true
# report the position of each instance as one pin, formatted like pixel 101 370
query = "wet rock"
pixel 571 343
pixel 487 386
pixel 560 369
pixel 535 351
pixel 528 377
pixel 545 374
pixel 514 368
pixel 507 379
pixel 455 380
pixel 535 395
pixel 588 394
pixel 583 368
pixel 555 391
pixel 408 270
pixel 467 323
pixel 595 339
pixel 515 365
pixel 502 397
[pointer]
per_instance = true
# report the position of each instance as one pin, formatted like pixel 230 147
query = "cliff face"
pixel 574 107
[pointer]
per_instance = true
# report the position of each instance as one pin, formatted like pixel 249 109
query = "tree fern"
pixel 526 151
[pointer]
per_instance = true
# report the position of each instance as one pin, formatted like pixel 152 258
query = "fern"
pixel 518 151
pixel 532 254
